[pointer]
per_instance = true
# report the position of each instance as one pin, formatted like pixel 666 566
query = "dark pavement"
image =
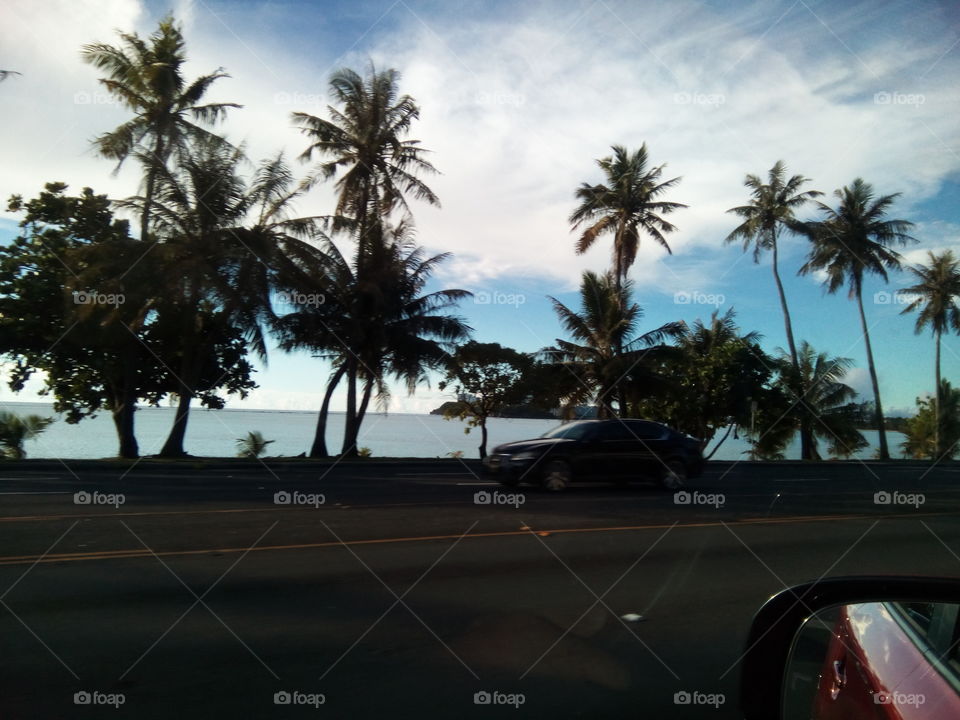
pixel 393 594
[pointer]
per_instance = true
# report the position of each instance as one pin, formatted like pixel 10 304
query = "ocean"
pixel 215 432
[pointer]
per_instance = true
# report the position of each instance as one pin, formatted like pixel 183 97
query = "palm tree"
pixel 851 240
pixel 771 209
pixel 375 326
pixel 366 139
pixel 4 74
pixel 15 429
pixel 252 445
pixel 626 206
pixel 225 245
pixel 146 77
pixel 605 347
pixel 935 297
pixel 815 393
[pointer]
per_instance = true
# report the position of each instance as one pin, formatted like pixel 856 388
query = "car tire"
pixel 674 475
pixel 557 475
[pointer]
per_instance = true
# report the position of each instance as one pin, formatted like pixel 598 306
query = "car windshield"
pixel 570 431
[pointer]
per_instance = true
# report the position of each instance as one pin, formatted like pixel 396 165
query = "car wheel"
pixel 674 475
pixel 557 475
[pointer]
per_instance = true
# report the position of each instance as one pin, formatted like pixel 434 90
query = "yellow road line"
pixel 142 552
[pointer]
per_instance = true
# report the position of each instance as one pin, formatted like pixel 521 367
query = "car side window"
pixel 614 431
pixel 646 431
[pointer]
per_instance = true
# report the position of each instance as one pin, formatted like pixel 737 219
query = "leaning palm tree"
pixel 852 240
pixel 146 76
pixel 225 245
pixel 771 209
pixel 365 142
pixel 935 297
pixel 373 327
pixel 605 347
pixel 626 206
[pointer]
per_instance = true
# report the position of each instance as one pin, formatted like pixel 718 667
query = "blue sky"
pixel 519 99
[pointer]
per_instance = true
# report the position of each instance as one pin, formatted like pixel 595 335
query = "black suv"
pixel 617 450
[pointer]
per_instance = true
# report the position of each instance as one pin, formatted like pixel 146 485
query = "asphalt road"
pixel 387 590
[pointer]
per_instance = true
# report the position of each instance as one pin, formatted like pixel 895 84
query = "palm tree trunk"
pixel 173 447
pixel 319 447
pixel 148 191
pixel 364 402
pixel 806 444
pixel 349 447
pixel 124 407
pixel 936 402
pixel 881 430
pixel 483 436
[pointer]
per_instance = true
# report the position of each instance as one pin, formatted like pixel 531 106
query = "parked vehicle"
pixel 620 450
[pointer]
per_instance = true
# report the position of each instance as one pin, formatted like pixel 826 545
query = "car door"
pixel 647 445
pixel 606 453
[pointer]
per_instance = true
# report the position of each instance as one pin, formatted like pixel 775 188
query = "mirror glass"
pixel 881 660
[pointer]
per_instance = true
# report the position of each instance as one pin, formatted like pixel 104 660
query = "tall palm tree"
pixel 816 392
pixel 935 297
pixel 225 245
pixel 605 347
pixel 771 209
pixel 626 206
pixel 146 77
pixel 366 140
pixel 852 240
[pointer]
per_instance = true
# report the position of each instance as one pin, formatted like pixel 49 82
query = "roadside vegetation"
pixel 219 266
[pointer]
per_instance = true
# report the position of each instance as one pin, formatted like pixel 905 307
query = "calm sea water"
pixel 215 432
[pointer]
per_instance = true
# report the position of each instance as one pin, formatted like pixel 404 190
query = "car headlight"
pixel 525 455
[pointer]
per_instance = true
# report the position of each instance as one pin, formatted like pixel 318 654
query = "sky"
pixel 518 100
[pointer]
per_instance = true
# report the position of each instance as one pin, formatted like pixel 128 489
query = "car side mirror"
pixel 847 647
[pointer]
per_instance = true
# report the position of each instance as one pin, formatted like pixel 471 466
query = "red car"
pixel 892 661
